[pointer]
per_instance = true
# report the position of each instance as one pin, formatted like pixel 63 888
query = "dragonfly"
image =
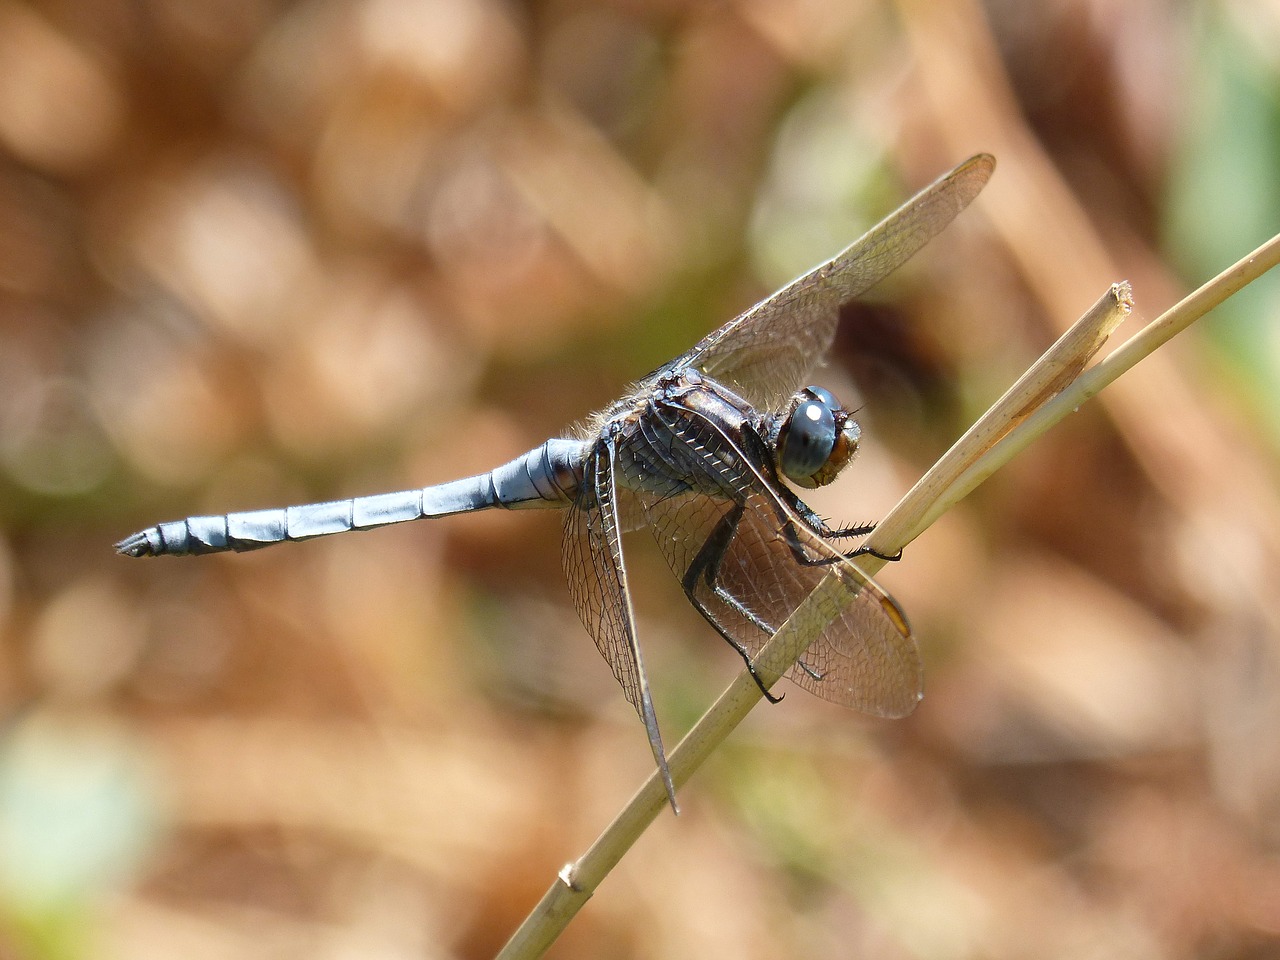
pixel 704 453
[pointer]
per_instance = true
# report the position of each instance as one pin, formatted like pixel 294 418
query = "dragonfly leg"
pixel 706 567
pixel 798 551
pixel 845 533
pixel 809 670
pixel 816 525
pixel 813 524
pixel 819 527
pixel 871 551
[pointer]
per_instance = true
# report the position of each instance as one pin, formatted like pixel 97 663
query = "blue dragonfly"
pixel 702 452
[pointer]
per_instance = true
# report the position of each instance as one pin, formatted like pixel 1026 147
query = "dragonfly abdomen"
pixel 546 476
pixel 254 529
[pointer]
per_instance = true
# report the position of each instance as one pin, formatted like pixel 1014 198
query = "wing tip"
pixel 983 159
pixel 974 174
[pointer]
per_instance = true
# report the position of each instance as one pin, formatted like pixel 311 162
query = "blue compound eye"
pixel 823 395
pixel 809 435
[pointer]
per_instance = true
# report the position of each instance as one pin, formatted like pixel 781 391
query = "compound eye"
pixel 823 395
pixel 809 436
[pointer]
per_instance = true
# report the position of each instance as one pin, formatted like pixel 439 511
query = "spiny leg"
pixel 706 566
pixel 819 527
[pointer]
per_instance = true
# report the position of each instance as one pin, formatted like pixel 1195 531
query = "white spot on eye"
pixel 813 412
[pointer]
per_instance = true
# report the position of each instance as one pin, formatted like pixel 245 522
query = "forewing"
pixel 597 577
pixel 769 562
pixel 767 353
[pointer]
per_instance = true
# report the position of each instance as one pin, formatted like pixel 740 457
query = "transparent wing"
pixel 597 577
pixel 767 353
pixel 747 560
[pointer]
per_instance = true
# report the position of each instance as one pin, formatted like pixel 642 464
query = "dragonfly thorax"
pixel 816 438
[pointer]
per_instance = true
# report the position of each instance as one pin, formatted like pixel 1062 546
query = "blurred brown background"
pixel 257 252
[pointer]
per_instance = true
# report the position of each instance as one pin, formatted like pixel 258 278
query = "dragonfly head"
pixel 816 439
